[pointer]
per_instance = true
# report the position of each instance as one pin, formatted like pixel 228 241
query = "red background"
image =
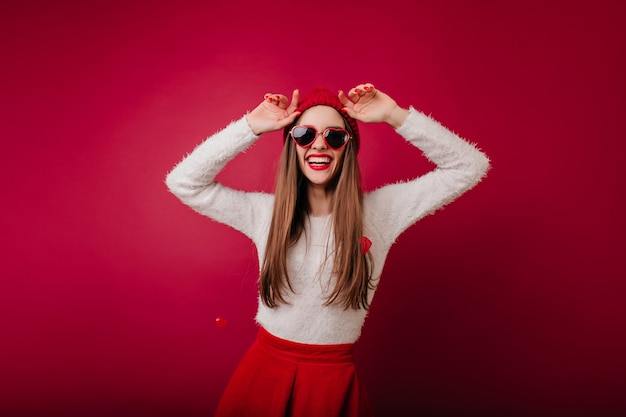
pixel 510 302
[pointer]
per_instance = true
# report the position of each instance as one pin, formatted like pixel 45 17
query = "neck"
pixel 320 200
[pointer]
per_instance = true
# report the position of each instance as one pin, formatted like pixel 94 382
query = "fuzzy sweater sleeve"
pixel 460 165
pixel 193 182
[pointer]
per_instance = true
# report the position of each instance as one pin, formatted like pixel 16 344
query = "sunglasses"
pixel 334 137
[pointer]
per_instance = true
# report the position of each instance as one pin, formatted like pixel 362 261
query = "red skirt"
pixel 278 378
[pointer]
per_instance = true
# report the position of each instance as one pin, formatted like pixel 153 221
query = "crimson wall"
pixel 510 302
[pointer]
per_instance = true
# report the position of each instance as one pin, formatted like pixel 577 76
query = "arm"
pixel 460 165
pixel 193 179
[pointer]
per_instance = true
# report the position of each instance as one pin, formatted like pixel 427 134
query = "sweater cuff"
pixel 245 117
pixel 413 119
pixel 423 129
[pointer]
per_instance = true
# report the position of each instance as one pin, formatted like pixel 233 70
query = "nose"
pixel 319 142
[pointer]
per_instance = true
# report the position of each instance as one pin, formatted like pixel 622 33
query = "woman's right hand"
pixel 274 113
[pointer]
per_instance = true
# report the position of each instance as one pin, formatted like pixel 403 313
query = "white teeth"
pixel 318 160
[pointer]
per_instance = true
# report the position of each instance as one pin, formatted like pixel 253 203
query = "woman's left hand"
pixel 369 105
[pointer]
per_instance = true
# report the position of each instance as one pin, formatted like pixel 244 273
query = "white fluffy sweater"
pixel 388 211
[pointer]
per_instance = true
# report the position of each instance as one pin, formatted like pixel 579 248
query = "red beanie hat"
pixel 321 96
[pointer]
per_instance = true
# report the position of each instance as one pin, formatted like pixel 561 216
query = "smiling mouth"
pixel 318 161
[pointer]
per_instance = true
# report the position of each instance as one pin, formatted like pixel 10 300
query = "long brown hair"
pixel 351 267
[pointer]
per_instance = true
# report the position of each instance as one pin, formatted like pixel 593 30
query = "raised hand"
pixel 369 105
pixel 273 113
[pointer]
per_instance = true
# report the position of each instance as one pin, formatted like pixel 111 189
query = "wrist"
pixel 397 117
pixel 250 125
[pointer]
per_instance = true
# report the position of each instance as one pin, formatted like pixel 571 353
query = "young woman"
pixel 321 241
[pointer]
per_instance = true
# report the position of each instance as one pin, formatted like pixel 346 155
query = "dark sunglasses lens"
pixel 303 135
pixel 336 138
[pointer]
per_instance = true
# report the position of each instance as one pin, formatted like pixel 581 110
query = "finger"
pixel 295 100
pixel 287 120
pixel 270 98
pixel 344 100
pixel 353 94
pixel 282 101
pixel 361 90
pixel 276 99
pixel 291 118
pixel 350 112
pixel 357 92
pixel 369 90
pixel 368 87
